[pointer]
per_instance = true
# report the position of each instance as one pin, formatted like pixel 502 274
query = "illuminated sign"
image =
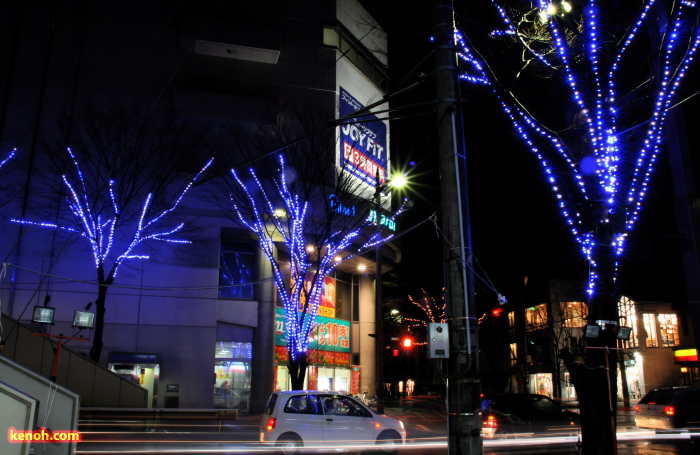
pixel 686 355
pixel 327 334
pixel 383 220
pixel 363 149
pixel 337 206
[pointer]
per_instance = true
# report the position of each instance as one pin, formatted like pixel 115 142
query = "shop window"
pixel 536 317
pixel 628 318
pixel 574 314
pixel 668 325
pixel 236 270
pixel 651 330
pixel 232 374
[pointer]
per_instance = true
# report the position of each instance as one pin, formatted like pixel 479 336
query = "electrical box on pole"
pixel 438 340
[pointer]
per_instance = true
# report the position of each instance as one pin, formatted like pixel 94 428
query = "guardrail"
pixel 155 419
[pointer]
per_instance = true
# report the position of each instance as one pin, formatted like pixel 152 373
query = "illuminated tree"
pixel 618 80
pixel 119 190
pixel 319 226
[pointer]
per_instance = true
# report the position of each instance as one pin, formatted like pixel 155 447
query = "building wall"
pixel 57 55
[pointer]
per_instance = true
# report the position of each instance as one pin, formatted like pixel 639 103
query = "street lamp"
pixel 397 182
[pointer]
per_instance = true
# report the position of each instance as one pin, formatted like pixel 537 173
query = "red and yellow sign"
pixel 686 355
pixel 326 307
pixel 317 357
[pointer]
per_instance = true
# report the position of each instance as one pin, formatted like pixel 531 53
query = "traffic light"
pixel 407 342
pixel 496 312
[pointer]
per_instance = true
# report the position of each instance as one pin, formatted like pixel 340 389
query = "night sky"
pixel 516 228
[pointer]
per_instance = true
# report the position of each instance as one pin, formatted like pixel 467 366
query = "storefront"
pixel 329 355
pixel 232 375
pixel 687 362
pixel 142 368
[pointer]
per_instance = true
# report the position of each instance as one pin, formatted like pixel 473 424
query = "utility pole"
pixel 463 388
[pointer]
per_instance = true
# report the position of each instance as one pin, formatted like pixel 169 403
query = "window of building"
pixel 574 314
pixel 651 330
pixel 356 53
pixel 511 321
pixel 232 374
pixel 513 354
pixel 668 325
pixel 536 317
pixel 628 318
pixel 236 268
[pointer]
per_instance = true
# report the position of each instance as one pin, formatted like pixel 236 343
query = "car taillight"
pixel 636 408
pixel 491 422
pixel 270 424
pixel 669 410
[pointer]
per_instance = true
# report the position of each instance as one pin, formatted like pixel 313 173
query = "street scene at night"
pixel 355 226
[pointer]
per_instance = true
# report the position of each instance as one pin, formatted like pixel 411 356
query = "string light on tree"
pixel 307 266
pixel 612 180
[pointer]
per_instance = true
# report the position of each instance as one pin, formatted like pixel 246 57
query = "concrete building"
pixel 659 352
pixel 174 323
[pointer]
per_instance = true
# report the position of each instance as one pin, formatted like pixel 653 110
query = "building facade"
pixel 198 325
pixel 658 352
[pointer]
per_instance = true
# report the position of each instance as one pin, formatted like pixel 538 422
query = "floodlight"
pixel 591 331
pixel 623 333
pixel 43 314
pixel 83 319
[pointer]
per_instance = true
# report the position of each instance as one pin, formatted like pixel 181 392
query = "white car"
pixel 311 419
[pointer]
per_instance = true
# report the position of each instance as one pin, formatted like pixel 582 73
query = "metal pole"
pixel 463 388
pixel 379 316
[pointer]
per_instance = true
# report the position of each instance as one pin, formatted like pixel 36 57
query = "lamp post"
pixel 379 319
pixel 396 182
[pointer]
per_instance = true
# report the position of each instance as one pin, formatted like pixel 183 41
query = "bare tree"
pixel 310 211
pixel 120 189
pixel 617 72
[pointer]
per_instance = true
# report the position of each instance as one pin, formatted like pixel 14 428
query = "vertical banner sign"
pixel 362 142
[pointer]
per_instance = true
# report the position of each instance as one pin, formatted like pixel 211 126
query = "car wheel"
pixel 505 433
pixel 388 443
pixel 290 444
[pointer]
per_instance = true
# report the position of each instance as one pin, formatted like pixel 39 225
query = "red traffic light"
pixel 496 312
pixel 407 342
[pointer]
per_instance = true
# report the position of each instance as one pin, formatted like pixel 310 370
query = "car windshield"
pixel 658 397
pixel 521 405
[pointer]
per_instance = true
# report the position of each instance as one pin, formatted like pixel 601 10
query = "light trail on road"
pixel 414 446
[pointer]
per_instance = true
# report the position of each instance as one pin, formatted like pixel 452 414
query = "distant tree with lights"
pixel 318 216
pixel 120 191
pixel 6 193
pixel 617 68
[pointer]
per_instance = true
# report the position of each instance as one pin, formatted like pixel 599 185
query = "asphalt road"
pixel 425 424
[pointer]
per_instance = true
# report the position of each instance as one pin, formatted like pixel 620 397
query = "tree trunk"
pixel 596 388
pixel 297 370
pixel 97 344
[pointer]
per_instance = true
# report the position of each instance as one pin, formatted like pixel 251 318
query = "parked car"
pixel 506 415
pixel 669 408
pixel 306 418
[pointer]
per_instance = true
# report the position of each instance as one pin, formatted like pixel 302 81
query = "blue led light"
pixel 307 270
pixel 613 178
pixel 99 228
